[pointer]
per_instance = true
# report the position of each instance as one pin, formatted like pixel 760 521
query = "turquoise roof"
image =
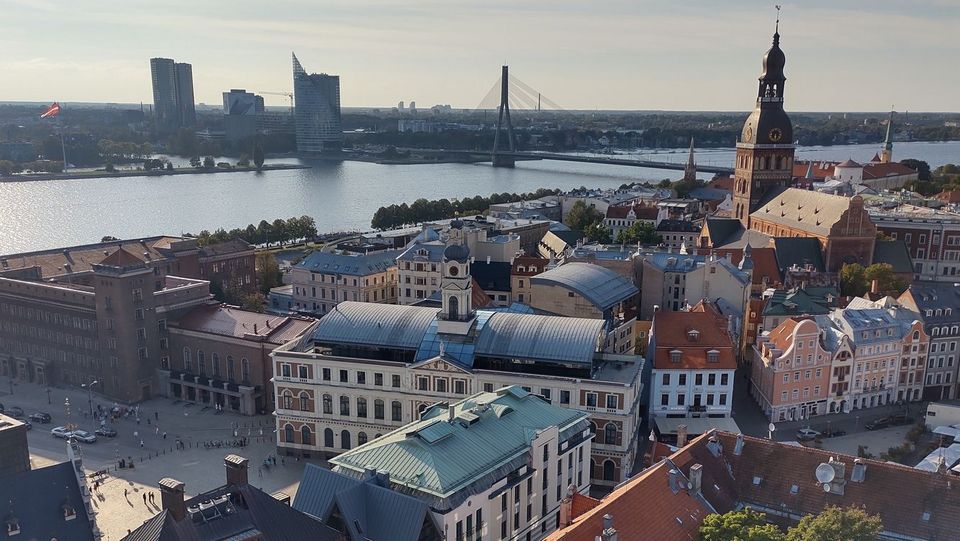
pixel 440 459
pixel 811 301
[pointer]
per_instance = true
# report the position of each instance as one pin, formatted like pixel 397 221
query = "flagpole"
pixel 63 147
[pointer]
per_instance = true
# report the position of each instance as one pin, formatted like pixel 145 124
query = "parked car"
pixel 832 433
pixel 60 432
pixel 41 417
pixel 106 431
pixel 84 436
pixel 806 434
pixel 900 419
pixel 15 411
pixel 877 424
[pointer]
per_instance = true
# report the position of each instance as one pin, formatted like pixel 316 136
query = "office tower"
pixel 172 94
pixel 240 110
pixel 317 111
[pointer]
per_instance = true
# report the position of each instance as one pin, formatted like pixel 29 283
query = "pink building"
pixel 791 371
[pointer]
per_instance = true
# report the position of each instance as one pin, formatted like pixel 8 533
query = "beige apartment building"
pixel 324 279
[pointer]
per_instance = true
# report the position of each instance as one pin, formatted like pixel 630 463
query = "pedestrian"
pixel 141 444
pixel 157 431
pixel 260 471
pixel 156 416
pixel 144 498
pixel 164 435
pixel 148 420
pixel 124 493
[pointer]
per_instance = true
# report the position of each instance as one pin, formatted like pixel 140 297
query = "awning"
pixel 696 425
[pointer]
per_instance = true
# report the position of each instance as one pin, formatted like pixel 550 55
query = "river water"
pixel 49 214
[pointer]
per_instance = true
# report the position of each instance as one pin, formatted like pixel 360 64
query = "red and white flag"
pixel 53 110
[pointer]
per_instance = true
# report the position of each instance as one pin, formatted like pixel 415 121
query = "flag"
pixel 53 110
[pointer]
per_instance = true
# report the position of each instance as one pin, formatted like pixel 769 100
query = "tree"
pixel 258 156
pixel 837 524
pixel 853 282
pixel 268 272
pixel 743 525
pixel 581 216
pixel 921 167
pixel 8 168
pixel 209 162
pixel 195 162
pixel 642 232
pixel 887 281
pixel 597 232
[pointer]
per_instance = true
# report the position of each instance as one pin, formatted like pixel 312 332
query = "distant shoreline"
pixel 80 175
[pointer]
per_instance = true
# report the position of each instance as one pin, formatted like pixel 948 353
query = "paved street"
pixel 119 502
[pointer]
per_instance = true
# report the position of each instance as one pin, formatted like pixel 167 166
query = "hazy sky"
pixel 846 55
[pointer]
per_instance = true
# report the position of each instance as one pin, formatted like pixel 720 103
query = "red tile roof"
pixel 643 509
pixel 121 258
pixel 949 196
pixel 764 473
pixel 881 170
pixel 531 265
pixel 673 331
pixel 721 183
pixel 583 504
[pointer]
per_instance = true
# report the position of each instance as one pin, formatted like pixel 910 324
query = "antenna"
pixel 825 473
pixel 778 19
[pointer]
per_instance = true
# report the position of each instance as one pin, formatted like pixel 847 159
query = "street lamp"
pixel 89 387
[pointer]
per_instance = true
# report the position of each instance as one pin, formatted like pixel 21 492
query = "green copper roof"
pixel 796 302
pixel 440 457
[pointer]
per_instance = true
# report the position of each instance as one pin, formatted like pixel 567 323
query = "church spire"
pixel 886 155
pixel 690 170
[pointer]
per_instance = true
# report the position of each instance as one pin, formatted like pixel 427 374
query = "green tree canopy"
pixel 743 525
pixel 642 232
pixel 597 232
pixel 268 272
pixel 887 281
pixel 837 524
pixel 922 168
pixel 581 216
pixel 853 282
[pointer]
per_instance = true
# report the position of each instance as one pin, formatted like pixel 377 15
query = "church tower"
pixel 690 170
pixel 456 291
pixel 886 154
pixel 764 162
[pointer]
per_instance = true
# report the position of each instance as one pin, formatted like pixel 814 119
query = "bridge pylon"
pixel 499 160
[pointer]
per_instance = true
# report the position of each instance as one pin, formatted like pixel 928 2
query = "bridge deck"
pixel 593 159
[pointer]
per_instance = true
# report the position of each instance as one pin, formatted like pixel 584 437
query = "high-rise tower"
pixel 764 161
pixel 317 111
pixel 172 94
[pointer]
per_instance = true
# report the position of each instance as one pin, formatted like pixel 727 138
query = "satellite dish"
pixel 771 427
pixel 826 487
pixel 825 473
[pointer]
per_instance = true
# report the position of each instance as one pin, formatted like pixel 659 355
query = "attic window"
pixel 675 356
pixel 13 527
pixel 693 335
pixel 713 356
pixel 756 480
pixel 794 489
pixel 925 516
pixel 69 513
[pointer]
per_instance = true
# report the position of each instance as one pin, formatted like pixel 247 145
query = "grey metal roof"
pixel 601 286
pixel 36 498
pixel 369 510
pixel 431 251
pixel 536 337
pixel 351 265
pixel 444 461
pixel 374 324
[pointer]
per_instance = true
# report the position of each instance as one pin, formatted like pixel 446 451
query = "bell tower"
pixel 764 161
pixel 456 291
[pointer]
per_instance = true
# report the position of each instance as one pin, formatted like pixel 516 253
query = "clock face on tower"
pixel 776 135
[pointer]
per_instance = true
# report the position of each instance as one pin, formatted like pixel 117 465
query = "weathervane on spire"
pixel 778 18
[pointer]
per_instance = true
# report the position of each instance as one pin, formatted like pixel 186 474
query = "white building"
pixel 495 465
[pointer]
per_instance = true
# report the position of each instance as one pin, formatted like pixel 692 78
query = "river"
pixel 54 213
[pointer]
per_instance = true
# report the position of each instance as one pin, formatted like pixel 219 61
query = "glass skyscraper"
pixel 173 104
pixel 316 111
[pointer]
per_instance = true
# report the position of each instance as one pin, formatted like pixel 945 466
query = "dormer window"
pixel 713 356
pixel 693 335
pixel 69 513
pixel 675 356
pixel 13 527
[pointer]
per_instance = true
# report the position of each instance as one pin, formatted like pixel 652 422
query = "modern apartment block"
pixel 173 103
pixel 523 454
pixel 370 368
pixel 317 111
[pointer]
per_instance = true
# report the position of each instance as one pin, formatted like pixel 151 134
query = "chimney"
pixel 859 471
pixel 673 478
pixel 451 412
pixel 738 448
pixel 609 533
pixel 255 329
pixel 681 436
pixel 171 498
pixel 236 467
pixel 874 287
pixel 488 260
pixel 566 508
pixel 696 479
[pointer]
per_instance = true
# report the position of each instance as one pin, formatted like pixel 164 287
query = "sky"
pixel 842 55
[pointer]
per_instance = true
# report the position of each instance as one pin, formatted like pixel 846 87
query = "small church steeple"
pixel 886 154
pixel 690 170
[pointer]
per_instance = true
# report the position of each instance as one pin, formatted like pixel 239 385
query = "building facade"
pixel 932 238
pixel 673 281
pixel 323 280
pixel 317 111
pixel 938 304
pixel 173 103
pixel 523 453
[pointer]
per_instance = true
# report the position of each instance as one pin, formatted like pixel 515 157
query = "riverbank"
pixel 99 174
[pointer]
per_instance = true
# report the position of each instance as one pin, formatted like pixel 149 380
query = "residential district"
pixel 779 344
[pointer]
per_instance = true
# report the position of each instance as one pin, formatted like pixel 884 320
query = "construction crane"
pixel 289 96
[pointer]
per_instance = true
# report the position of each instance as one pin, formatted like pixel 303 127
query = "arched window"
pixel 362 407
pixel 345 439
pixel 215 364
pixel 935 331
pixel 344 405
pixel 420 409
pixel 361 438
pixel 287 397
pixel 608 470
pixel 328 404
pixel 305 435
pixel 288 433
pixel 187 360
pixel 610 434
pixel 454 308
pixel 231 369
pixel 377 436
pixel 304 402
pixel 378 409
pixel 396 411
pixel 201 363
pixel 916 335
pixel 245 370
pixel 328 437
